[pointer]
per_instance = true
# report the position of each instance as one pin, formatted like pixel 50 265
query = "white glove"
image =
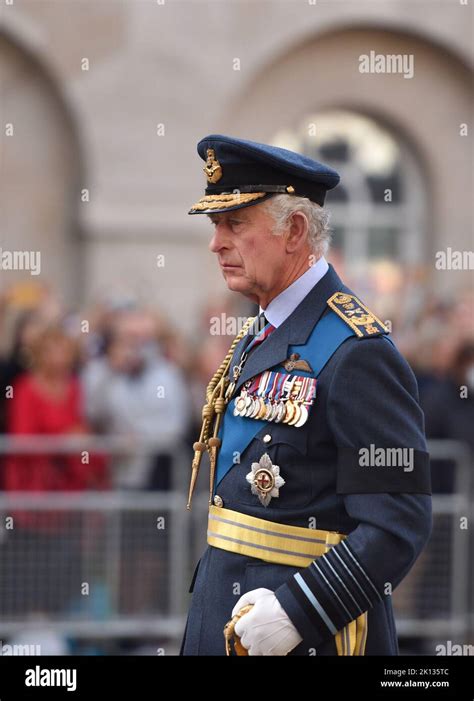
pixel 266 628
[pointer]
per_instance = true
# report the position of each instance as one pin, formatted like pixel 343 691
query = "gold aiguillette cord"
pixel 212 412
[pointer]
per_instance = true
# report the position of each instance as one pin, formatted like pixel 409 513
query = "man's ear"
pixel 297 235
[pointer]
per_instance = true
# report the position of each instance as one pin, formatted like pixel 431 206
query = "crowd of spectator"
pixel 119 368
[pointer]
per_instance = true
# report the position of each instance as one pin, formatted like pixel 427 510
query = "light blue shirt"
pixel 286 302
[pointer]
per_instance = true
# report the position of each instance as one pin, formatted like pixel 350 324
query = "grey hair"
pixel 281 207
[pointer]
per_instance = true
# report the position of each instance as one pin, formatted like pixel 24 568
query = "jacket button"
pixel 267 438
pixel 218 501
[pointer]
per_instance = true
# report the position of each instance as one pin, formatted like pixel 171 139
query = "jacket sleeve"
pixel 372 403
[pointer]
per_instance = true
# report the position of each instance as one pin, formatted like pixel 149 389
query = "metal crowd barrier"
pixel 435 601
pixel 100 565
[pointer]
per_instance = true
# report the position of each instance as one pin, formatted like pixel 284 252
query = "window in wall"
pixel 378 210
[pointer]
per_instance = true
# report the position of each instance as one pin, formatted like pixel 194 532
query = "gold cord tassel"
pixel 214 442
pixel 212 413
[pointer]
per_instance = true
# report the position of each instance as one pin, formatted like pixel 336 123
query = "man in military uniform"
pixel 319 487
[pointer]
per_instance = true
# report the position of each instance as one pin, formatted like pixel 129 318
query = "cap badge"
pixel 213 168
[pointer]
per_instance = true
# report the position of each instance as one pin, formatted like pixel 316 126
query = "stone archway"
pixel 40 173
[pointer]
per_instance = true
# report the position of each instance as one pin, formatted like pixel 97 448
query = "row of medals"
pixel 288 411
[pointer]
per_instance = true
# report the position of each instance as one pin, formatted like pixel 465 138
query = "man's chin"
pixel 236 282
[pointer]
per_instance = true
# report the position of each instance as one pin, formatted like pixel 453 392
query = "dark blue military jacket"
pixel 366 395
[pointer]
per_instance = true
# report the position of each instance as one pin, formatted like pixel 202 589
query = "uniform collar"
pixel 286 302
pixel 294 331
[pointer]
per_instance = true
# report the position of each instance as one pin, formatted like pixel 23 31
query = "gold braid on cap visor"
pixel 226 200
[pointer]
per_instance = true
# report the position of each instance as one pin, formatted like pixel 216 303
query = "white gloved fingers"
pixel 243 624
pixel 244 640
pixel 250 598
pixel 283 646
pixel 266 629
pixel 240 628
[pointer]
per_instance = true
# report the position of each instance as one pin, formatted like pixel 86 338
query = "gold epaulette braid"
pixel 212 413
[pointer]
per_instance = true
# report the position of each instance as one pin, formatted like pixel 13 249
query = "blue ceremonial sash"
pixel 236 432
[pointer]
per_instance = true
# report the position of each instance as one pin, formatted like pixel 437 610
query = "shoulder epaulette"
pixel 361 320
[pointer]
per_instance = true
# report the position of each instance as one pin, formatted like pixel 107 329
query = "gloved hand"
pixel 266 628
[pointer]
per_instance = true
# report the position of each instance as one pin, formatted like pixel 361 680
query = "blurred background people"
pixel 134 391
pixel 449 411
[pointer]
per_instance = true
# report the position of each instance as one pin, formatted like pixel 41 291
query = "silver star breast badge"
pixel 264 479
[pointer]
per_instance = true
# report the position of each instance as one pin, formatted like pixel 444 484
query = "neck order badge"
pixel 258 338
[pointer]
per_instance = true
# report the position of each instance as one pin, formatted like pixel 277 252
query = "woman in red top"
pixel 43 548
pixel 47 401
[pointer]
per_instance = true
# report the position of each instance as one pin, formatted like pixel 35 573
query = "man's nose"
pixel 219 239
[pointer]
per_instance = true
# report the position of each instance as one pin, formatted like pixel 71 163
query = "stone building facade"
pixel 108 98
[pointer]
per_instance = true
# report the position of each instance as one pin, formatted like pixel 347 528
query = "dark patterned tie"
pixel 263 331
